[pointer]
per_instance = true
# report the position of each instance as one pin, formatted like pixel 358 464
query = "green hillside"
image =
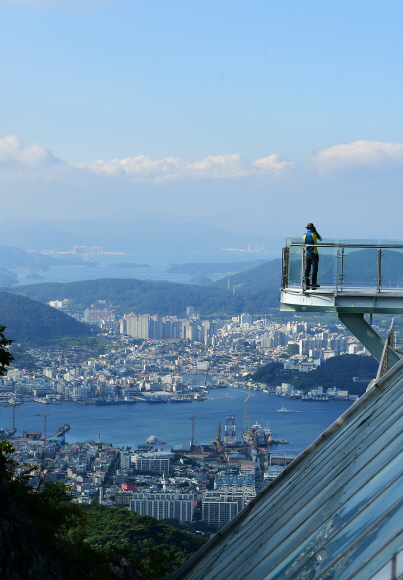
pixel 120 529
pixel 263 278
pixel 27 320
pixel 213 268
pixel 337 371
pixel 144 296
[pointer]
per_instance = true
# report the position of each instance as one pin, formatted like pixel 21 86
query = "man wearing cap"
pixel 311 256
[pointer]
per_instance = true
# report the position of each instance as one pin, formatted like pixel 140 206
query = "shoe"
pixel 314 286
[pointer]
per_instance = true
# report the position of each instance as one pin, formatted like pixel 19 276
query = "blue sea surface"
pixel 130 425
pixel 158 264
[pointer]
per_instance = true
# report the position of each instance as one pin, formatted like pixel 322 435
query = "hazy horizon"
pixel 253 119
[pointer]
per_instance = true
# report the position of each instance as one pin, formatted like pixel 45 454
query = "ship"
pixel 262 436
pixel 179 400
pixel 152 440
pixel 115 402
pixel 154 400
pixel 62 430
pixel 284 410
pixel 5 434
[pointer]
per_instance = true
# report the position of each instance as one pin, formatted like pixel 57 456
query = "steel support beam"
pixel 357 324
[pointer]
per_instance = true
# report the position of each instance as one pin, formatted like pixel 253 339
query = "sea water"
pixel 131 424
pixel 152 266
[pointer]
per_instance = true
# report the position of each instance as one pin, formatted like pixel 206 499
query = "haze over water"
pixel 157 264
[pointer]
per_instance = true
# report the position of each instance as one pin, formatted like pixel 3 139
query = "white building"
pixel 218 508
pixel 164 505
pixel 154 462
pixel 125 461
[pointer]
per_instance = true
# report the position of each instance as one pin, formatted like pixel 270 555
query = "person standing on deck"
pixel 311 256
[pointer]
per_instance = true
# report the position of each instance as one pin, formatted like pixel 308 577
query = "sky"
pixel 258 116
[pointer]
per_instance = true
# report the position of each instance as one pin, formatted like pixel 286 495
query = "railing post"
pixel 337 270
pixel 342 270
pixel 285 267
pixel 379 272
pixel 303 269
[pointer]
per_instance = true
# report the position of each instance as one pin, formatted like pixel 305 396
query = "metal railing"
pixel 346 265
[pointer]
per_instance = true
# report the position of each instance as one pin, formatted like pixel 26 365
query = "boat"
pixel 179 400
pixel 114 402
pixel 163 443
pixel 5 434
pixel 284 410
pixel 155 400
pixel 152 440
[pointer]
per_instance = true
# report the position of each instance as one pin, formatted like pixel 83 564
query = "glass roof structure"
pixel 336 512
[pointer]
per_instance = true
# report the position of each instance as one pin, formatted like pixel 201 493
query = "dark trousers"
pixel 311 261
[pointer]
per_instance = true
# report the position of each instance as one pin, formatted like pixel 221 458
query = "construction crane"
pixel 193 427
pixel 46 414
pixel 246 413
pixel 13 405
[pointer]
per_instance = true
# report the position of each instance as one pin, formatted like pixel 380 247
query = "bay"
pixel 130 425
pixel 156 269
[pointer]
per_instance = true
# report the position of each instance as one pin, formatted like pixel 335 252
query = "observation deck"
pixel 356 277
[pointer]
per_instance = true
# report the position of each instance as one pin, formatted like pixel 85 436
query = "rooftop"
pixel 335 512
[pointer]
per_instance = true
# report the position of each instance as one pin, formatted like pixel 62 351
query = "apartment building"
pixel 164 505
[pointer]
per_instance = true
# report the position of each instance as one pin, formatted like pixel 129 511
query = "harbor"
pixel 130 425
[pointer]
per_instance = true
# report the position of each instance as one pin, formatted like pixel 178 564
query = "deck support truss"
pixel 357 324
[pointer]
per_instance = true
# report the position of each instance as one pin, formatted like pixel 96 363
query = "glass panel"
pixel 267 525
pixel 356 264
pixel 254 526
pixel 367 549
pixel 295 265
pixel 384 573
pixel 321 518
pixel 303 562
pixel 399 563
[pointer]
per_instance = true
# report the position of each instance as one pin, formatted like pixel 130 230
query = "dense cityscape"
pixel 200 485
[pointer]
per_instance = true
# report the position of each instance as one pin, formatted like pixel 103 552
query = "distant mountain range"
pixel 142 236
pixel 163 298
pixel 220 268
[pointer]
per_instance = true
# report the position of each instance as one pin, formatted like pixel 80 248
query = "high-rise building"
pixel 154 462
pixel 164 505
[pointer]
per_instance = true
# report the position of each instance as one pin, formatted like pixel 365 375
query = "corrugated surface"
pixel 336 512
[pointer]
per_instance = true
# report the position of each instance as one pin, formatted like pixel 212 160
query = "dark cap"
pixel 310 225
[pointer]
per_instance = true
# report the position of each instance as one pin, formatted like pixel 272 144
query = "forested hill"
pixel 264 278
pixel 202 269
pixel 30 321
pixel 144 296
pixel 338 371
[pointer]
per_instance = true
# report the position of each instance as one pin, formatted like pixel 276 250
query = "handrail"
pixel 341 245
pixel 342 275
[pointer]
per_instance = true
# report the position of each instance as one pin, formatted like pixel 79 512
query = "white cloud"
pixel 359 153
pixel 174 168
pixel 13 152
pixel 33 161
pixel 273 163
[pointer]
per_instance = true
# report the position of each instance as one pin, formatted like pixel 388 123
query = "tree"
pixel 292 349
pixel 6 358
